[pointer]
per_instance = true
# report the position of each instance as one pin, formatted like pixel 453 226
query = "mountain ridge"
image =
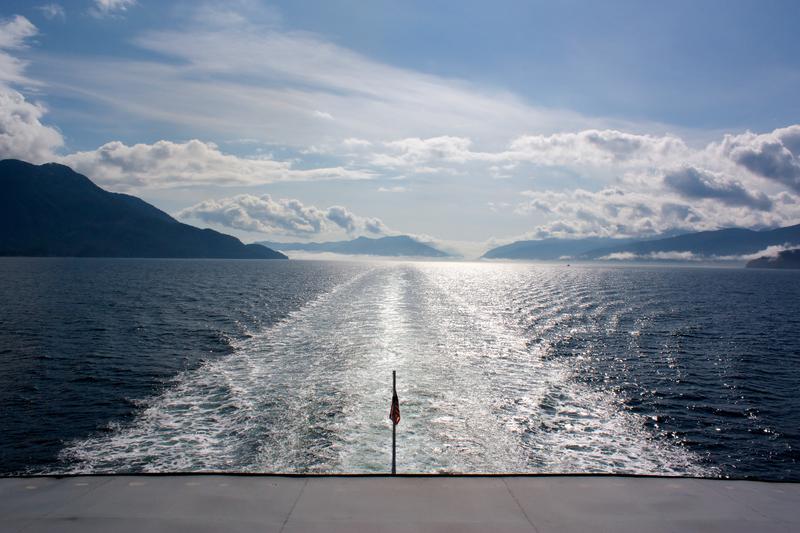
pixel 389 246
pixel 547 249
pixel 722 243
pixel 50 210
pixel 726 242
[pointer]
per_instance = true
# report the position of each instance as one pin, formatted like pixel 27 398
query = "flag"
pixel 394 412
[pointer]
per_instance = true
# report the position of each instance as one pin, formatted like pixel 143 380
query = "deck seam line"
pixel 514 497
pixel 294 504
pixel 725 494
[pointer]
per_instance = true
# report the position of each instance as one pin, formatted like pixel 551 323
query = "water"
pixel 158 365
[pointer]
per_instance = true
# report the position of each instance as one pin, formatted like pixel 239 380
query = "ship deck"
pixel 217 502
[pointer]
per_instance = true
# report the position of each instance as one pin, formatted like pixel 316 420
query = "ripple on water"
pixel 501 368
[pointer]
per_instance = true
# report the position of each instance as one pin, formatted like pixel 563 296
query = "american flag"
pixel 394 412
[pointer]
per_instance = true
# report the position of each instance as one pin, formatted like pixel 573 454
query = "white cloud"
pixel 416 151
pixel 15 31
pixel 661 185
pixel 22 134
pixel 14 34
pixel 323 115
pixel 52 11
pixel 395 189
pixel 769 251
pixel 170 164
pixel 619 256
pixel 597 147
pixel 676 255
pixel 266 215
pixel 775 155
pixel 658 256
pixel 109 8
pixel 606 213
pixel 241 80
pixel 352 142
pixel 586 147
pixel 695 183
pixel 642 211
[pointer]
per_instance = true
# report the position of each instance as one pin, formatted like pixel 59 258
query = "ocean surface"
pixel 110 365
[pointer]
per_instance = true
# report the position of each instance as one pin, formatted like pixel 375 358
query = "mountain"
pixel 550 249
pixel 719 243
pixel 789 259
pixel 50 210
pixel 395 246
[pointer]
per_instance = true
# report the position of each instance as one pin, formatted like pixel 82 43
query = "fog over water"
pixel 154 365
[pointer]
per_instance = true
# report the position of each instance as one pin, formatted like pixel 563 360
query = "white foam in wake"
pixel 312 392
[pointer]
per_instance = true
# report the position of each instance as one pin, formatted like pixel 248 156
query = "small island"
pixel 787 259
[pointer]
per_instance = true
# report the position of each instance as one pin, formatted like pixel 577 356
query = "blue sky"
pixel 466 124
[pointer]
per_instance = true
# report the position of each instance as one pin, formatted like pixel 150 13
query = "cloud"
pixel 416 151
pixel 320 101
pixel 52 11
pixel 258 213
pixel 352 142
pixel 596 147
pixel 619 256
pixel 775 155
pixel 14 34
pixel 240 79
pixel 22 133
pixel 658 256
pixel 624 211
pixel 609 212
pixel 15 31
pixel 675 255
pixel 342 218
pixel 169 164
pixel 586 147
pixel 690 182
pixel 769 251
pixel 323 115
pixel 374 225
pixel 263 214
pixel 110 8
pixel 661 185
pixel 396 189
pixel 448 154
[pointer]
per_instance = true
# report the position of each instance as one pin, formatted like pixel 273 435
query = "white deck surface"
pixel 266 503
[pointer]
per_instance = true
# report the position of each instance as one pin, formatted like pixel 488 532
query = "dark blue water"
pixel 159 365
pixel 82 341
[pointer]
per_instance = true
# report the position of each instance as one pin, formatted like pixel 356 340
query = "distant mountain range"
pixel 394 246
pixel 551 249
pixel 50 210
pixel 788 259
pixel 724 243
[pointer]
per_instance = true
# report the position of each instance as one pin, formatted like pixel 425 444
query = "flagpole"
pixel 394 427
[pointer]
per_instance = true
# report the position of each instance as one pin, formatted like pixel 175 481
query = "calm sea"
pixel 111 365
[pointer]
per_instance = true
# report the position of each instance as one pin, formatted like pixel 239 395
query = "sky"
pixel 464 124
